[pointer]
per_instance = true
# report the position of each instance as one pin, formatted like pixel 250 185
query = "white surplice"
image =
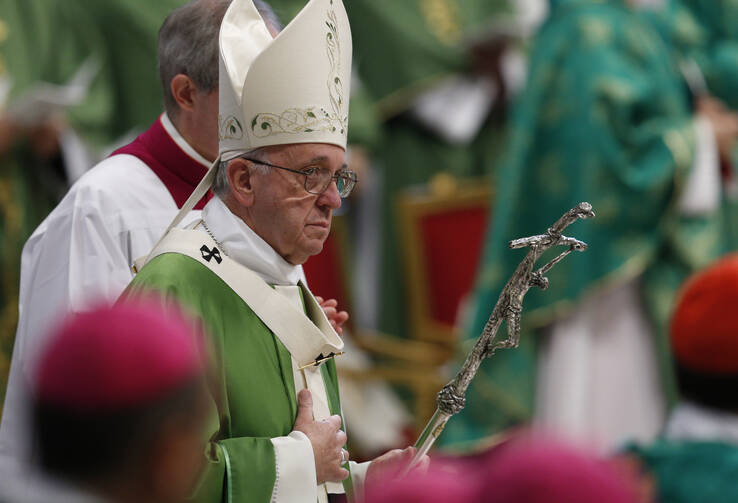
pixel 81 254
pixel 598 382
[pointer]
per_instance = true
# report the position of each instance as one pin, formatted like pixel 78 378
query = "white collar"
pixel 246 247
pixel 690 421
pixel 180 141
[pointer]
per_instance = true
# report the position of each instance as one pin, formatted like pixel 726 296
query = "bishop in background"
pixel 281 172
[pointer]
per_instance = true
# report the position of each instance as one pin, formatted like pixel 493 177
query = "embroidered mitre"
pixel 290 89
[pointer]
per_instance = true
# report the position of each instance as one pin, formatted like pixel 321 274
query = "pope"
pixel 115 213
pixel 281 172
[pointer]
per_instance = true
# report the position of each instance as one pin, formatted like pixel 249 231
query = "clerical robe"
pixel 50 42
pixel 83 251
pixel 253 455
pixel 606 118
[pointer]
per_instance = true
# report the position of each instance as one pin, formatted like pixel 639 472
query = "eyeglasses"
pixel 318 179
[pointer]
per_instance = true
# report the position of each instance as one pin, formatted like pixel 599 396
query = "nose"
pixel 330 197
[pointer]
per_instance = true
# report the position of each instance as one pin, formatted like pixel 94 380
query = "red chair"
pixel 443 227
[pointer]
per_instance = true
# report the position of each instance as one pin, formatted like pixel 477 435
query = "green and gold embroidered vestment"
pixel 605 118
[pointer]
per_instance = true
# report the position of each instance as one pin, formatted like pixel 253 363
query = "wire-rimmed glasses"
pixel 318 178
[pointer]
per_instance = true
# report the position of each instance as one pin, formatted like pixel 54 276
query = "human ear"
pixel 184 91
pixel 241 178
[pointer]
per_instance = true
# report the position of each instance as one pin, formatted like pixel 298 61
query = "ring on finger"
pixel 344 456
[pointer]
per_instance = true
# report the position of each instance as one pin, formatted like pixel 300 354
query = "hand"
pixel 392 464
pixel 335 317
pixel 724 124
pixel 326 438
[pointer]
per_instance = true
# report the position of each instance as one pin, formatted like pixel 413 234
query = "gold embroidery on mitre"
pixel 229 128
pixel 308 120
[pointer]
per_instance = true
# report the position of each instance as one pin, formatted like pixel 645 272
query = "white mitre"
pixel 289 89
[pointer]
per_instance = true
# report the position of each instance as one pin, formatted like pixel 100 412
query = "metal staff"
pixel 451 398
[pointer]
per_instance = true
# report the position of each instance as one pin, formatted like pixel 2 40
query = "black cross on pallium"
pixel 208 254
pixel 320 358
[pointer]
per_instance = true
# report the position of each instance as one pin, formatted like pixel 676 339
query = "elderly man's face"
pixel 293 221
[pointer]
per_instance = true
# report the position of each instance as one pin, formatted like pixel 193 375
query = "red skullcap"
pixel 117 357
pixel 704 327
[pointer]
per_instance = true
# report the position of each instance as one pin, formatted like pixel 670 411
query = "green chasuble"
pixel 713 45
pixel 690 471
pixel 605 118
pixel 253 385
pixel 716 46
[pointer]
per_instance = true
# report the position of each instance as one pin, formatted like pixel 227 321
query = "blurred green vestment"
pixel 715 47
pixel 605 118
pixel 402 49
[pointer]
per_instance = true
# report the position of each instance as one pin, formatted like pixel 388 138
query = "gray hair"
pixel 188 44
pixel 221 185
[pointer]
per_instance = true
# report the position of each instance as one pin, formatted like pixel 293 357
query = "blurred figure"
pixel 432 81
pixel 67 96
pixel 281 174
pixel 713 47
pixel 713 43
pixel 119 408
pixel 30 182
pixel 116 212
pixel 606 118
pixel 45 43
pixel 524 470
pixel 697 458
